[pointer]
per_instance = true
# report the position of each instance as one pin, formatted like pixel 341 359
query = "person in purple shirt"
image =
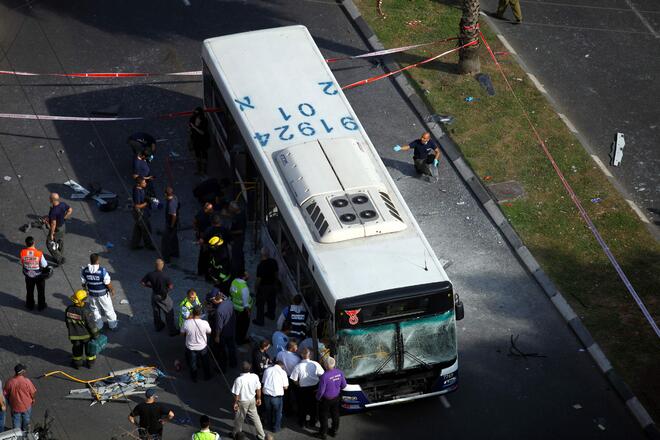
pixel 329 396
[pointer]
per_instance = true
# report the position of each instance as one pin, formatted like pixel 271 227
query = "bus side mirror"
pixel 458 306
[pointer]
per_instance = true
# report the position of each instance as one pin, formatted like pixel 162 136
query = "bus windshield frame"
pixel 412 328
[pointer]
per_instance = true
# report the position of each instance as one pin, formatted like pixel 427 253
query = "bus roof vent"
pixel 339 190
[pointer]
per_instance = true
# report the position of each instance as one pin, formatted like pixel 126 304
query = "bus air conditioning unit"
pixel 338 190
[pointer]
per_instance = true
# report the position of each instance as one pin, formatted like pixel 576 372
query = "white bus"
pixel 320 195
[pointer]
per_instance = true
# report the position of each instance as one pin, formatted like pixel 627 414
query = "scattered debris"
pixel 467 218
pixel 577 406
pixel 596 200
pixel 445 119
pixel 574 168
pixel 31 346
pixel 586 56
pixel 379 7
pixel 518 79
pixel 60 152
pixel 600 423
pixel 109 245
pixel 486 83
pixel 617 150
pixel 124 301
pixel 116 386
pixel 107 200
pixel 414 23
pixel 174 155
pixel 41 146
pixel 515 351
pixel 487 178
pixel 427 92
pixel 460 203
pixel 7 178
pixel 471 99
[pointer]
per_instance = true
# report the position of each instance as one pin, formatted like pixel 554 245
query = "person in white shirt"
pixel 275 383
pixel 306 376
pixel 289 359
pixel 196 331
pixel 247 397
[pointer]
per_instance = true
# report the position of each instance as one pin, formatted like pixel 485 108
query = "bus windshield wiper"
pixel 415 358
pixel 387 359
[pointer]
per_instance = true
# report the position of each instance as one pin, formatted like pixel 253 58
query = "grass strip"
pixel 500 146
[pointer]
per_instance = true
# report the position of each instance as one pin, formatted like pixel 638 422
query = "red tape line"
pixel 428 60
pixel 576 200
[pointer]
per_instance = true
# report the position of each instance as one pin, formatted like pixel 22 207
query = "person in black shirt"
pixel 201 223
pixel 267 286
pixel 425 153
pixel 260 358
pixel 199 139
pixel 152 415
pixel 161 303
pixel 170 240
pixel 141 215
pixel 57 215
pixel 220 254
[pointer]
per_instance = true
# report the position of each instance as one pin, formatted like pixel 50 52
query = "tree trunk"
pixel 469 56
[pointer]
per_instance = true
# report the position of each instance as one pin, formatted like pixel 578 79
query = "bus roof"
pixel 283 96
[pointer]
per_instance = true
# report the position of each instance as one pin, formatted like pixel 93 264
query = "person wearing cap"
pixel 20 392
pixel 247 397
pixel 81 327
pixel 35 268
pixel 152 415
pixel 205 432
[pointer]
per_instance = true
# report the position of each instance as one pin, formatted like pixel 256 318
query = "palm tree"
pixel 469 56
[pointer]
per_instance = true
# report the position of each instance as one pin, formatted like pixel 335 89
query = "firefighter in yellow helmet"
pixel 219 263
pixel 81 327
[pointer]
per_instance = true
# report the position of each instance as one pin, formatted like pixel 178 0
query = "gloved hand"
pixel 397 148
pixel 435 163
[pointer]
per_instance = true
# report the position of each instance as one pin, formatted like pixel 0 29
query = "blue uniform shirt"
pixel 422 151
pixel 141 168
pixel 140 197
pixel 57 213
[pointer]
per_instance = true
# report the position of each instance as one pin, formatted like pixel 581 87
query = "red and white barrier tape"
pixel 428 60
pixel 380 53
pixel 576 200
pixel 99 119
pixel 199 72
pixel 101 75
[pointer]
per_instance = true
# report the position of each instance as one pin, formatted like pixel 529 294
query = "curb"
pixel 489 205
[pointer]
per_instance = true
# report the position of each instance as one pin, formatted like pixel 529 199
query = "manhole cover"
pixel 506 191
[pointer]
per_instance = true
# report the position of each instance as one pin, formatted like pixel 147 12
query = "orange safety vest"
pixel 31 261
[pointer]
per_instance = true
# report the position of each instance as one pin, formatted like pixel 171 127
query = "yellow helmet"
pixel 216 241
pixel 79 297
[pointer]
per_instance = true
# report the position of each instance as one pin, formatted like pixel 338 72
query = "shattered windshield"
pixel 428 340
pixel 367 350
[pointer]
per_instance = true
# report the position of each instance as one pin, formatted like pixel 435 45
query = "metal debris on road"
pixel 445 119
pixel 516 352
pixel 577 406
pixel 7 178
pixel 123 301
pixel 116 386
pixel 617 150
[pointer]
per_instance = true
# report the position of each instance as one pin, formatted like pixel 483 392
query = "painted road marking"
pixel 638 211
pixel 537 83
pixel 601 165
pixel 568 123
pixel 445 402
pixel 644 21
pixel 506 44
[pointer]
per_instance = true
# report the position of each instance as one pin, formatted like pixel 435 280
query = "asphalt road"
pixel 599 61
pixel 559 395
